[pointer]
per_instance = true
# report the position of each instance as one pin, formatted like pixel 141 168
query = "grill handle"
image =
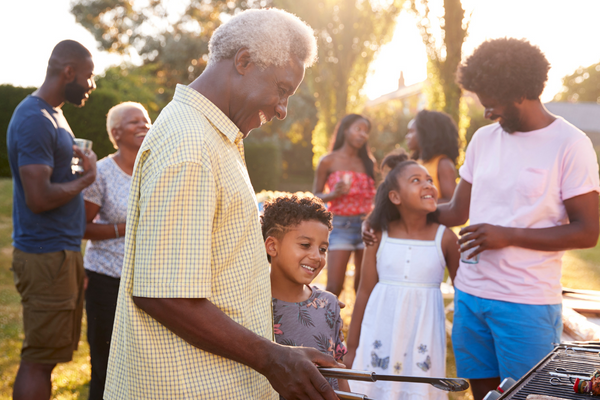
pixel 352 374
pixel 350 396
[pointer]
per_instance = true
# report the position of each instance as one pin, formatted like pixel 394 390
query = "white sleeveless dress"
pixel 403 329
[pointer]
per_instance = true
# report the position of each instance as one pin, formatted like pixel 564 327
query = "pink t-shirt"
pixel 521 180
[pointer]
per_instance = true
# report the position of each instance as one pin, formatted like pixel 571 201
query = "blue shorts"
pixel 493 338
pixel 346 233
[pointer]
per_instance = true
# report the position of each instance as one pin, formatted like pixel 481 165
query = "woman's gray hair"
pixel 272 36
pixel 115 117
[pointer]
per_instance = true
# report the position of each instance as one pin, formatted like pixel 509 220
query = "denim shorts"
pixel 346 233
pixel 493 338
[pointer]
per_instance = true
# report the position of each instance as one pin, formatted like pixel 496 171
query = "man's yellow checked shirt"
pixel 192 232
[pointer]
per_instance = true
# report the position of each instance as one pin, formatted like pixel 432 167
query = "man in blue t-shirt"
pixel 49 218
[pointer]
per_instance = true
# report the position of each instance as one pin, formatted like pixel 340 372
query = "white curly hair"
pixel 272 36
pixel 117 113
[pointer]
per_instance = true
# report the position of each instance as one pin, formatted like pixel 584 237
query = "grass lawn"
pixel 70 381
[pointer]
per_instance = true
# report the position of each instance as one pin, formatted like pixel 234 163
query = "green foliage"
pixel 10 97
pixel 581 86
pixel 177 43
pixel 118 84
pixel 349 33
pixel 263 158
pixel 443 58
pixel 89 122
pixel 143 84
pixel 389 125
pixel 442 91
pixel 475 112
pixel 293 136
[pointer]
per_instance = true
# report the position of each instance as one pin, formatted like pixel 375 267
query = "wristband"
pixel 116 231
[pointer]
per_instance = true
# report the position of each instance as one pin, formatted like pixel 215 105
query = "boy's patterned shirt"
pixel 315 323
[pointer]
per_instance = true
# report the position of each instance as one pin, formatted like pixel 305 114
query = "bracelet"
pixel 116 231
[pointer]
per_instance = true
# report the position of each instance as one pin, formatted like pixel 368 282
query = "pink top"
pixel 359 200
pixel 521 180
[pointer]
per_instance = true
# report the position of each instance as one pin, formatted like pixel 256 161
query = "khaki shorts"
pixel 51 289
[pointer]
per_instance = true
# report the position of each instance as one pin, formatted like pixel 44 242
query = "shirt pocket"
pixel 532 182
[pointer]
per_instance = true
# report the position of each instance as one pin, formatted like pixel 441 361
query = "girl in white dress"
pixel 398 320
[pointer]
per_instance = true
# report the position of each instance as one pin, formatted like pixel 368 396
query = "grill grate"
pixel 537 381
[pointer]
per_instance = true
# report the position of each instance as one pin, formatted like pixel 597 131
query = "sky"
pixel 566 31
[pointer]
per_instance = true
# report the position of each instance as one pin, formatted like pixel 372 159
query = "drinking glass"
pixel 347 178
pixel 466 253
pixel 76 163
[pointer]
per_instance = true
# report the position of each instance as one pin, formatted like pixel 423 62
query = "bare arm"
pixel 290 370
pixel 368 280
pixel 42 195
pixel 581 231
pixel 456 212
pixel 96 231
pixel 447 178
pixel 321 175
pixel 451 252
pixel 343 384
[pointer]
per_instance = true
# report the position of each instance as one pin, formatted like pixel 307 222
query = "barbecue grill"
pixel 577 359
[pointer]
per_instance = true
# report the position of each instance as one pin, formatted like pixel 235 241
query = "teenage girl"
pixel 398 323
pixel 433 139
pixel 345 178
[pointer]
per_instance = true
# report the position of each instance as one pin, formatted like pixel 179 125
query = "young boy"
pixel 296 232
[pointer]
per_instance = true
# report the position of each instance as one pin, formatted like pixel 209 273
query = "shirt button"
pixel 407 261
pixel 409 248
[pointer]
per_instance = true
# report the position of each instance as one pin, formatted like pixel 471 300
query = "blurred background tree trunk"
pixel 444 56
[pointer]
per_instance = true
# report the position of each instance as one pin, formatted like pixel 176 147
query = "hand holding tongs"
pixel 447 384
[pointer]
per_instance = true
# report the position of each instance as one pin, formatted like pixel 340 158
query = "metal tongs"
pixel 563 373
pixel 447 384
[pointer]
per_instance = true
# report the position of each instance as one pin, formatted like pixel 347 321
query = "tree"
pixel 443 58
pixel 581 86
pixel 118 84
pixel 349 33
pixel 177 42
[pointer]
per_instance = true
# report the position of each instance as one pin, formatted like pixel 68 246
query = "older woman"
pixel 106 212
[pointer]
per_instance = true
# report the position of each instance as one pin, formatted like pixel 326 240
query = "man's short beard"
pixel 75 93
pixel 511 121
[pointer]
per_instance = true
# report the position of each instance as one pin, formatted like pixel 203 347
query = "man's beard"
pixel 511 121
pixel 75 93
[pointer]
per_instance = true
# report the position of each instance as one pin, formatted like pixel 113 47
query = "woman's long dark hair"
pixel 384 210
pixel 364 153
pixel 437 134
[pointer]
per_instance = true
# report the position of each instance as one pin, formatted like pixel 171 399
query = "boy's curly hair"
pixel 505 69
pixel 286 212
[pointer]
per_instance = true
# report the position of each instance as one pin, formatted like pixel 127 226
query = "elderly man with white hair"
pixel 105 212
pixel 194 317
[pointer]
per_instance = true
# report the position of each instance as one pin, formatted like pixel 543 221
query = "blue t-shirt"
pixel 40 134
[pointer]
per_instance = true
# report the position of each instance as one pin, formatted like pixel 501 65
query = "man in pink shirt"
pixel 529 187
